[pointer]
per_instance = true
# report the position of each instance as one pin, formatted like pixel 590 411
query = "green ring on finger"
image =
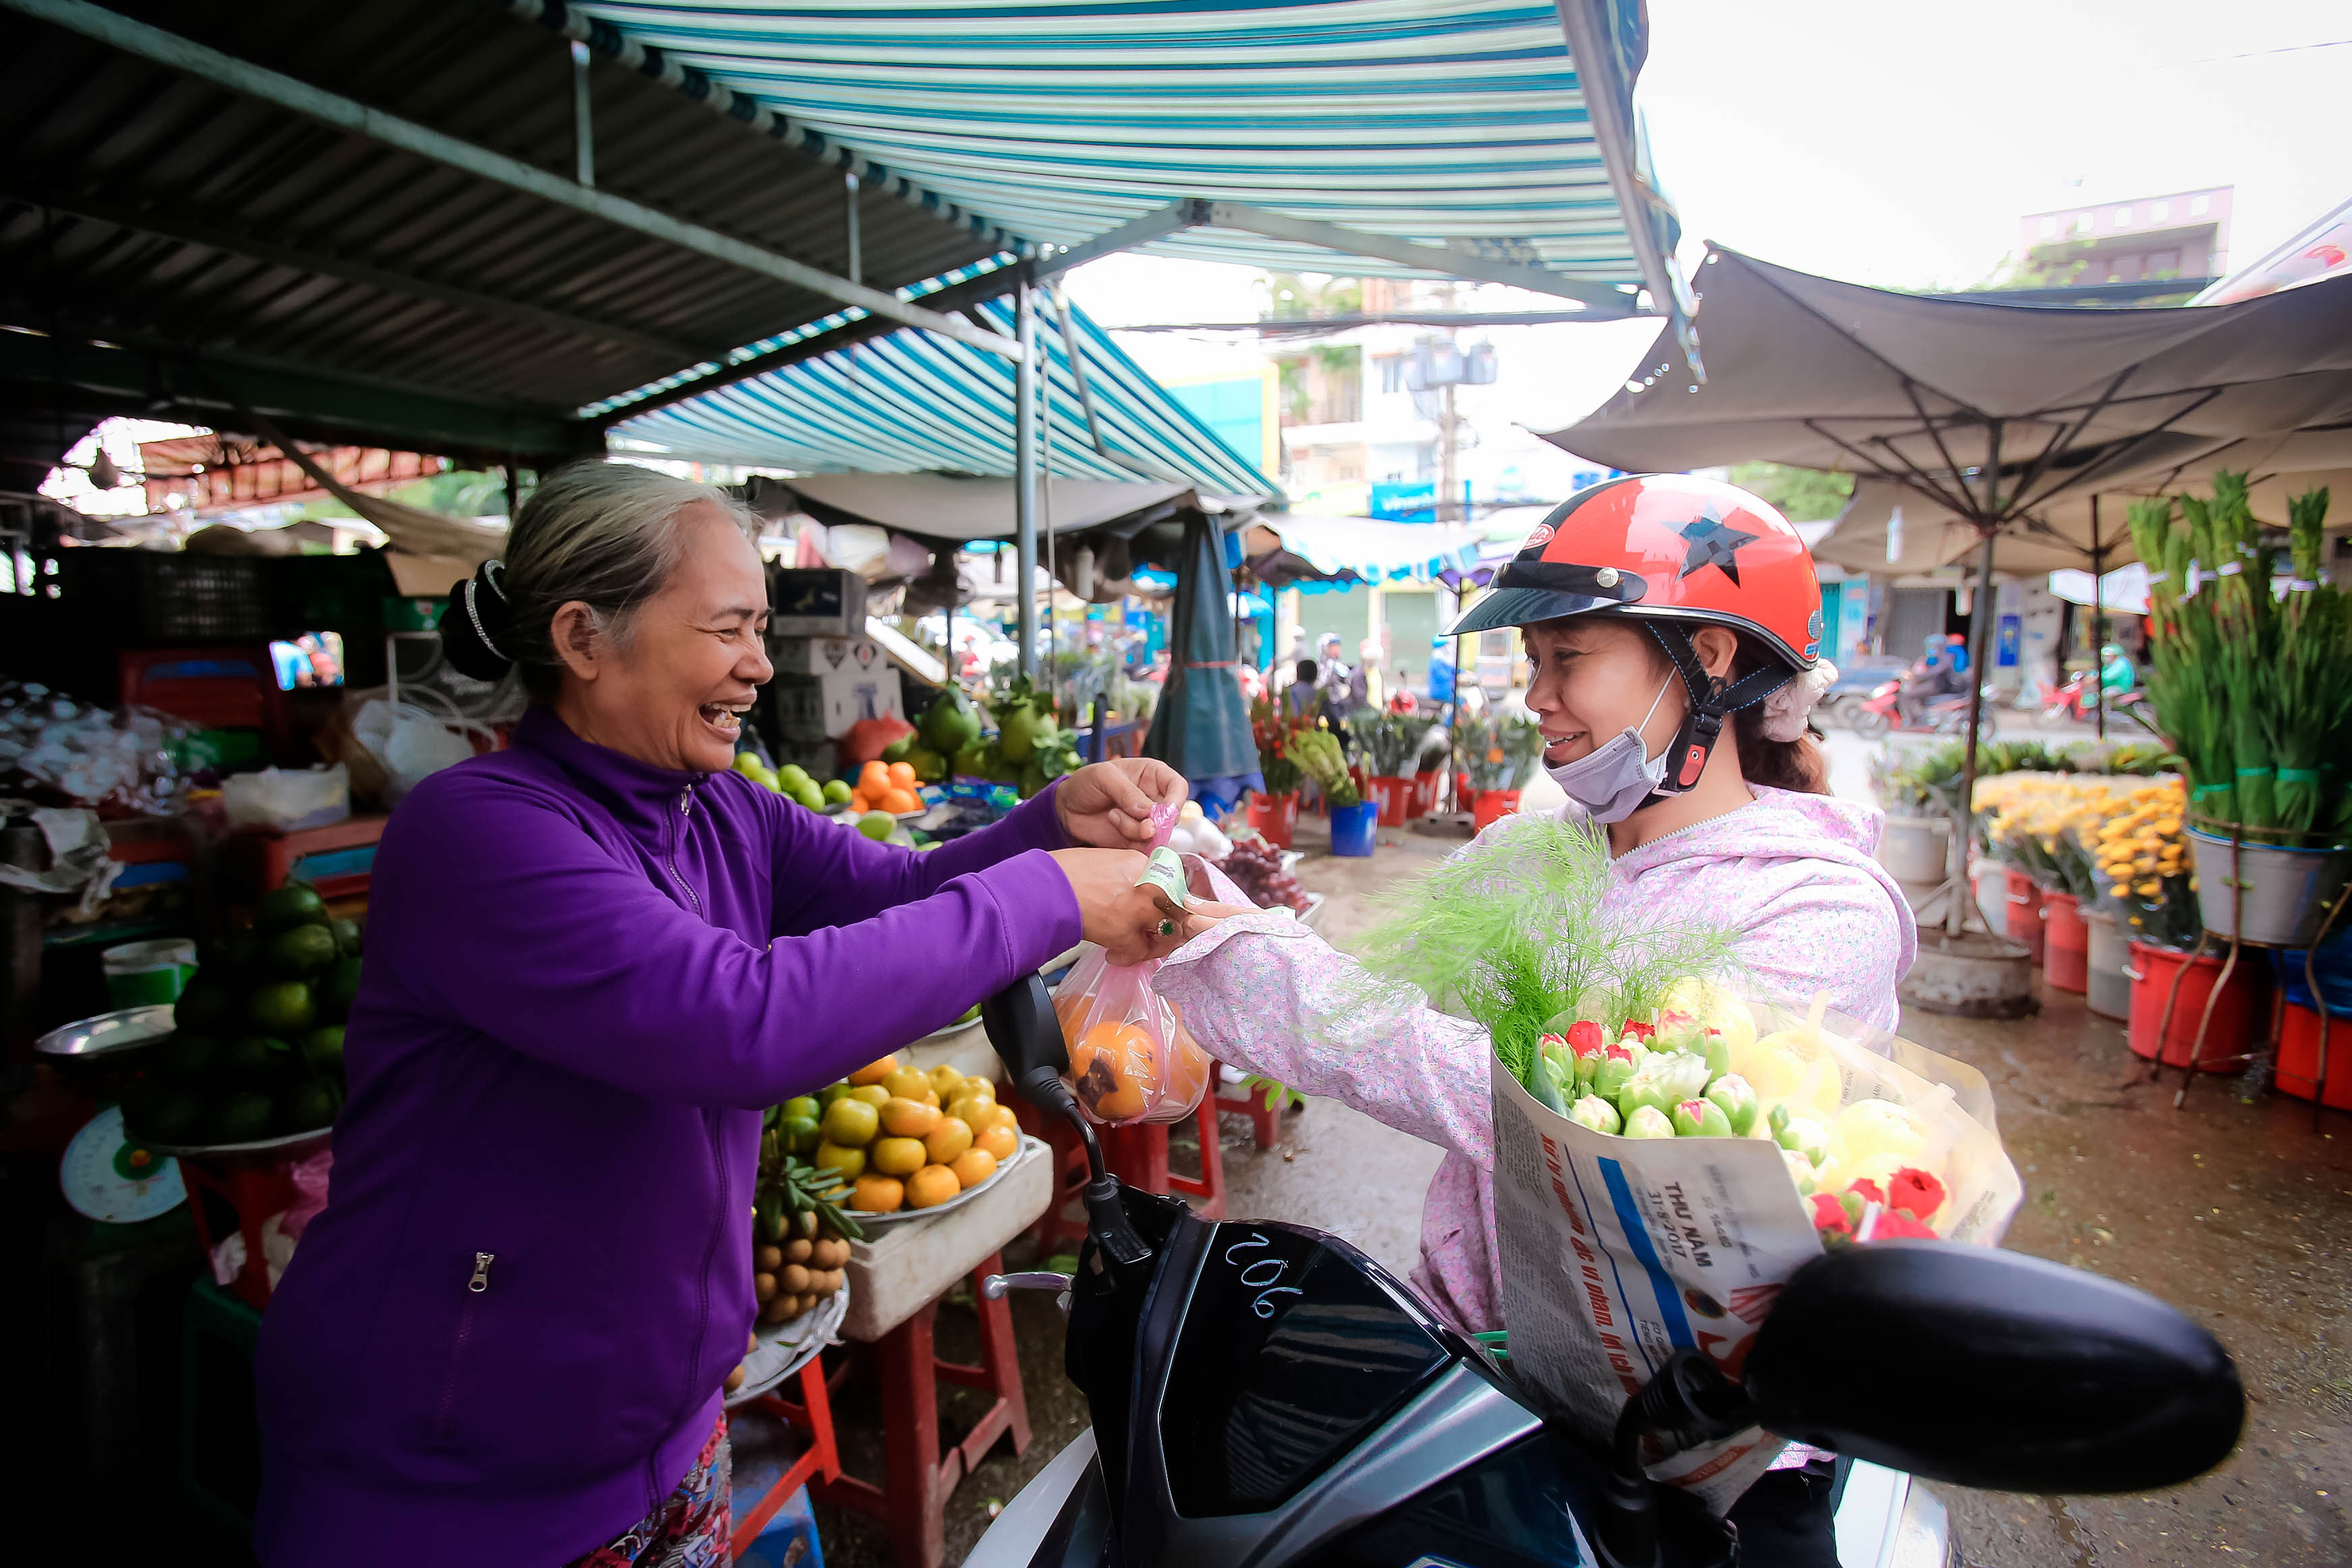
pixel 1167 928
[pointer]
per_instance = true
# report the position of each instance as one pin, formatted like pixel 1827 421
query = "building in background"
pixel 2135 246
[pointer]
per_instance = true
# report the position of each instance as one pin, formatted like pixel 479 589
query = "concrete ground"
pixel 2238 1212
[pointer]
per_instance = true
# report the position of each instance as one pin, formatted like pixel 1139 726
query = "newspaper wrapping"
pixel 1616 1252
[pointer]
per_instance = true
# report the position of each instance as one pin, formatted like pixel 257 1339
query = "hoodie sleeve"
pixel 525 929
pixel 1262 993
pixel 827 875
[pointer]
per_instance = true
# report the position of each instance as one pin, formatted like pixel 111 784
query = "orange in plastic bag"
pixel 1131 1060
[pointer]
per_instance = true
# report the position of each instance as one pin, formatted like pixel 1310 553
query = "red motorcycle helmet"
pixel 1672 552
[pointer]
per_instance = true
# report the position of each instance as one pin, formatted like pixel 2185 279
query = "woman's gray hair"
pixel 604 533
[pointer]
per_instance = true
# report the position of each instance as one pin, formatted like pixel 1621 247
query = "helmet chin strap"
pixel 1712 700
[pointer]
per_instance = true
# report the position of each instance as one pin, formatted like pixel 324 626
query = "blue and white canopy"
pixel 1456 122
pixel 912 402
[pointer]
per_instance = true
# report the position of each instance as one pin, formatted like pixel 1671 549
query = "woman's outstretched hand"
pixel 1130 923
pixel 1108 805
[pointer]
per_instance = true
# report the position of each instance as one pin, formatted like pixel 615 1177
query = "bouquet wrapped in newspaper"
pixel 1668 1148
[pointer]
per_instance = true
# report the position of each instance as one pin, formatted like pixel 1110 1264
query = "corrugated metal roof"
pixel 144 207
pixel 909 401
pixel 1456 121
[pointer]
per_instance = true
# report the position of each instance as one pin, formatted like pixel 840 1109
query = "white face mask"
pixel 1615 777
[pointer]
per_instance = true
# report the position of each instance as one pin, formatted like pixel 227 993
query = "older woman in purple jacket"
pixel 592 958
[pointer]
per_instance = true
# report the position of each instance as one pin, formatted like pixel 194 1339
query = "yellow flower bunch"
pixel 2141 844
pixel 2039 818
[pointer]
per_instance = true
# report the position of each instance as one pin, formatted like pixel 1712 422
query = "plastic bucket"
pixel 2281 896
pixel 1353 827
pixel 1393 795
pixel 1992 896
pixel 145 973
pixel 2297 1070
pixel 1275 816
pixel 2066 944
pixel 1425 791
pixel 2107 988
pixel 2026 914
pixel 1915 849
pixel 1489 807
pixel 2152 972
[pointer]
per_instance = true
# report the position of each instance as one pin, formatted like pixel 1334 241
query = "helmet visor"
pixel 1525 606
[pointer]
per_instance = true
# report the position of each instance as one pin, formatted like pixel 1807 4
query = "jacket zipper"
pixel 718 1165
pixel 684 812
pixel 475 1286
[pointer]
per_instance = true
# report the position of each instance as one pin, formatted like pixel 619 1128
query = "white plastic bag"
pixel 410 743
pixel 288 798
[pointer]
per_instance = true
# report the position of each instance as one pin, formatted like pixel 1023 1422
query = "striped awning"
pixel 1460 122
pixel 911 402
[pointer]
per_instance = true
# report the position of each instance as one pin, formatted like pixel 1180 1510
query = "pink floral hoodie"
pixel 1791 874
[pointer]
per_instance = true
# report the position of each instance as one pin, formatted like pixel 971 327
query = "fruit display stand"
pixel 336 859
pixel 256 1183
pixel 897 1280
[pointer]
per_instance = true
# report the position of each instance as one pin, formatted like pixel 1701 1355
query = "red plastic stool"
pixel 1058 1231
pixel 911 1501
pixel 1265 1126
pixel 1209 1186
pixel 254 1190
pixel 812 1419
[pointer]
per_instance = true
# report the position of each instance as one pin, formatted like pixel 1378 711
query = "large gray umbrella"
pixel 1991 416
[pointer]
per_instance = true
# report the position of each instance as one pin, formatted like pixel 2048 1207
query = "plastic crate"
pixel 147 598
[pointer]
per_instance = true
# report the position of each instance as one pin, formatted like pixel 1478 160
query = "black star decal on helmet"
pixel 1714 543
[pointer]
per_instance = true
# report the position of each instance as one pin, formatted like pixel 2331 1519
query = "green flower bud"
pixel 1596 1113
pixel 1739 1103
pixel 1701 1119
pixel 1649 1121
pixel 1804 1135
pixel 1618 1064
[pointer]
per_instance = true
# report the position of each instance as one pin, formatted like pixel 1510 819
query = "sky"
pixel 1898 145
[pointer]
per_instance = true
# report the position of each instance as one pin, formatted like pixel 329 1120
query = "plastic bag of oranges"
pixel 1131 1059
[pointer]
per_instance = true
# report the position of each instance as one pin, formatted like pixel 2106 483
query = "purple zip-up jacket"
pixel 502 1340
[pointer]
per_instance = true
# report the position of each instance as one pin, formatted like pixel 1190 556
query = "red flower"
pixel 1584 1037
pixel 1867 1191
pixel 1639 1030
pixel 1618 1053
pixel 1830 1215
pixel 1915 1191
pixel 1893 1224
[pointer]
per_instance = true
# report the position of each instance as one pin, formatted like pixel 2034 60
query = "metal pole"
pixel 1024 478
pixel 1958 905
pixel 583 138
pixel 2098 620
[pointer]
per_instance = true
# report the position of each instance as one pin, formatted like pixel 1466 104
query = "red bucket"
pixel 1275 817
pixel 1425 791
pixel 2025 913
pixel 2297 1072
pixel 2066 942
pixel 2233 1031
pixel 1489 806
pixel 1393 795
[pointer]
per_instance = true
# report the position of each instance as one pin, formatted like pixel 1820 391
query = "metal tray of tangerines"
pixel 1021 1150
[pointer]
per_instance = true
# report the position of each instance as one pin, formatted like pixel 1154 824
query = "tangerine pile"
pixel 884 787
pixel 907 1139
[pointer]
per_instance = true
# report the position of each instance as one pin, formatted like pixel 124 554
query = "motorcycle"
pixel 1881 712
pixel 2075 702
pixel 1263 1395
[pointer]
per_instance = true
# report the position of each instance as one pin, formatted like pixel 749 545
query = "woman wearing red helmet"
pixel 1673 627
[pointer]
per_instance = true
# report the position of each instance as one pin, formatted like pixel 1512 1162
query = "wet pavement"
pixel 2239 1213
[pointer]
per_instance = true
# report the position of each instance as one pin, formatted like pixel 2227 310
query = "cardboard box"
pixel 855 680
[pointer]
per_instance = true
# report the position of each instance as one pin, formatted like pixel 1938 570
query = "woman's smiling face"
pixel 1591 677
pixel 674 693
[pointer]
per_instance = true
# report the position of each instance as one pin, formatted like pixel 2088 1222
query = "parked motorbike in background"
pixel 1882 713
pixel 1262 1395
pixel 2076 703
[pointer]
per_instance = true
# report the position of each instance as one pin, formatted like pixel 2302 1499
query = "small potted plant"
pixel 1274 811
pixel 1353 819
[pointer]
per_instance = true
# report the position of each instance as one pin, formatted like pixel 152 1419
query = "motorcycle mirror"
pixel 1992 1369
pixel 1021 1024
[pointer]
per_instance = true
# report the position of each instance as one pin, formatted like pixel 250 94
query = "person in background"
pixel 1302 700
pixel 1368 689
pixel 1924 681
pixel 2116 671
pixel 1401 700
